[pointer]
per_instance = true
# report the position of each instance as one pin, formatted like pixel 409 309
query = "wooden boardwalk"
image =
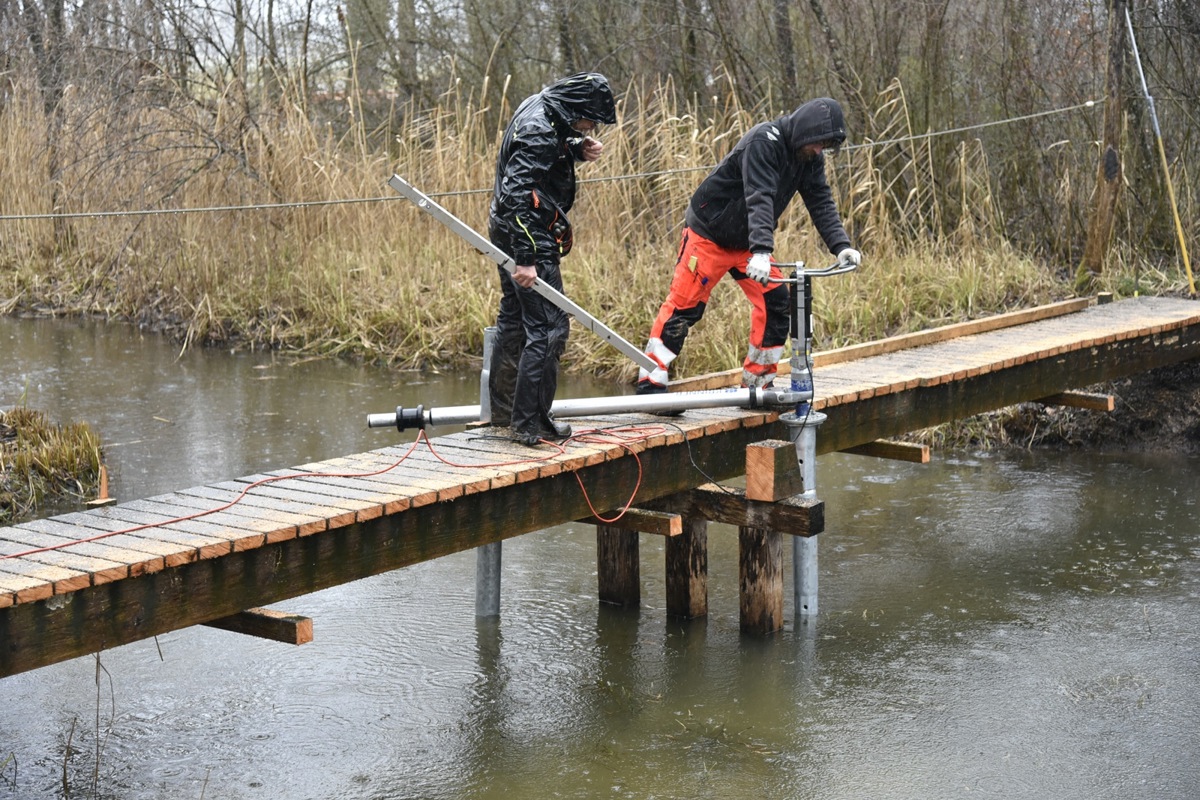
pixel 82 582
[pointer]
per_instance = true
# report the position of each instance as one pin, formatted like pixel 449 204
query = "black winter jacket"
pixel 535 171
pixel 739 204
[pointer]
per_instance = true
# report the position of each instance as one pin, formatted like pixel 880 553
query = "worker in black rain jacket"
pixel 730 228
pixel 535 188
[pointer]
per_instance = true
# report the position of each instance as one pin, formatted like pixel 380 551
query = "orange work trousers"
pixel 700 265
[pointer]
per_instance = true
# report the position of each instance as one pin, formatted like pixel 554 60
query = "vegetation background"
pixel 217 169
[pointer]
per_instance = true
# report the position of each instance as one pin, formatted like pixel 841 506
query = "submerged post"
pixel 488 557
pixel 803 432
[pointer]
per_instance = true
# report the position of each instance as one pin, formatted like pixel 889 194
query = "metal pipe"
pixel 802 429
pixel 489 557
pixel 420 417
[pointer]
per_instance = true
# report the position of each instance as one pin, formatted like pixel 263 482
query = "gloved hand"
pixel 849 257
pixel 759 268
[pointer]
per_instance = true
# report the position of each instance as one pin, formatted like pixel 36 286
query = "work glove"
pixel 849 258
pixel 759 268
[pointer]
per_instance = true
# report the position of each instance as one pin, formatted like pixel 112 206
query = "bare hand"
pixel 591 148
pixel 525 276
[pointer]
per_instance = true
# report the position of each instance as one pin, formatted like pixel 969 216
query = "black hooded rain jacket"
pixel 535 170
pixel 739 204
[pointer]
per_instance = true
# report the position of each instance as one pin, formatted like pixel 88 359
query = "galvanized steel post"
pixel 488 556
pixel 803 433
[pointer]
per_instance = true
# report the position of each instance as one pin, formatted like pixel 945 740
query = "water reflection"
pixel 1016 625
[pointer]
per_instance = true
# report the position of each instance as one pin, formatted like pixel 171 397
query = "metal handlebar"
pixel 832 269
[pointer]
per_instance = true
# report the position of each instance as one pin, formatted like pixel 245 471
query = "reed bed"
pixel 362 274
pixel 40 461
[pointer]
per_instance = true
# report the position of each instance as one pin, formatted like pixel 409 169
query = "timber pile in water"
pixel 40 461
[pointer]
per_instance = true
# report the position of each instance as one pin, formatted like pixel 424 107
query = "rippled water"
pixel 1017 625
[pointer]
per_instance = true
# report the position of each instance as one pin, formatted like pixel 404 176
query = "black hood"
pixel 817 120
pixel 583 96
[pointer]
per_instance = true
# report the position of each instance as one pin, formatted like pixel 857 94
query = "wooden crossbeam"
pixel 1092 402
pixel 266 623
pixel 641 520
pixel 795 515
pixel 895 451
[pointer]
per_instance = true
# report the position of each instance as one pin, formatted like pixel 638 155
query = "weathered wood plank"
pixel 894 451
pixel 719 380
pixel 267 559
pixel 101 616
pixel 1090 401
pixel 772 471
pixel 797 516
pixel 641 520
pixel 266 623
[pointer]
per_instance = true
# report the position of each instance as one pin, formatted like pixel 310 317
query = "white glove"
pixel 849 258
pixel 759 268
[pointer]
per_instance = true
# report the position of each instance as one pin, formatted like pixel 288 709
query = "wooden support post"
pixel 772 472
pixel 265 623
pixel 687 570
pixel 760 580
pixel 618 569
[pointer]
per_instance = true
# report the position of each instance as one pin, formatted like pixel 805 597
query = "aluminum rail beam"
pixel 485 247
pixel 420 417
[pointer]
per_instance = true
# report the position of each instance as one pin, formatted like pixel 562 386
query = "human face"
pixel 816 148
pixel 584 126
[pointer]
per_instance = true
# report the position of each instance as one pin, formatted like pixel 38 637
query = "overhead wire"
pixel 466 192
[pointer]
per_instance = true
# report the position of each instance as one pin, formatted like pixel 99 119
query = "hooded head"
pixel 816 121
pixel 583 96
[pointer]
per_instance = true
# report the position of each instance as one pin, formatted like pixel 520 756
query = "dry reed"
pixel 376 279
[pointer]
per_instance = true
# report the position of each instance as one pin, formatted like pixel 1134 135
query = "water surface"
pixel 992 625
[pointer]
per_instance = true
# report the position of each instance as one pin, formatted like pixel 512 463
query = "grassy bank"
pixel 41 461
pixel 363 274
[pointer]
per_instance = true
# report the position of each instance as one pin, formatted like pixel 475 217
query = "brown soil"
pixel 1156 411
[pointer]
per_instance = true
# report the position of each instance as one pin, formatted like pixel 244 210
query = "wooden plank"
pixel 245 527
pixel 34 534
pixel 24 589
pixel 719 380
pixel 273 562
pixel 61 580
pixel 796 516
pixel 1092 402
pixel 953 331
pixel 207 538
pixel 772 471
pixel 266 623
pixel 303 517
pixel 661 523
pixel 895 451
pixel 1050 368
pixel 99 570
pixel 104 616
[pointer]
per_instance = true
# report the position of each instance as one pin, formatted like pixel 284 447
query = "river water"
pixel 1016 625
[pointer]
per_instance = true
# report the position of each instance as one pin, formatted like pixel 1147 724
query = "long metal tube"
pixel 420 417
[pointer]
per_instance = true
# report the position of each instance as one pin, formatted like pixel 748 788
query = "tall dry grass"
pixel 365 274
